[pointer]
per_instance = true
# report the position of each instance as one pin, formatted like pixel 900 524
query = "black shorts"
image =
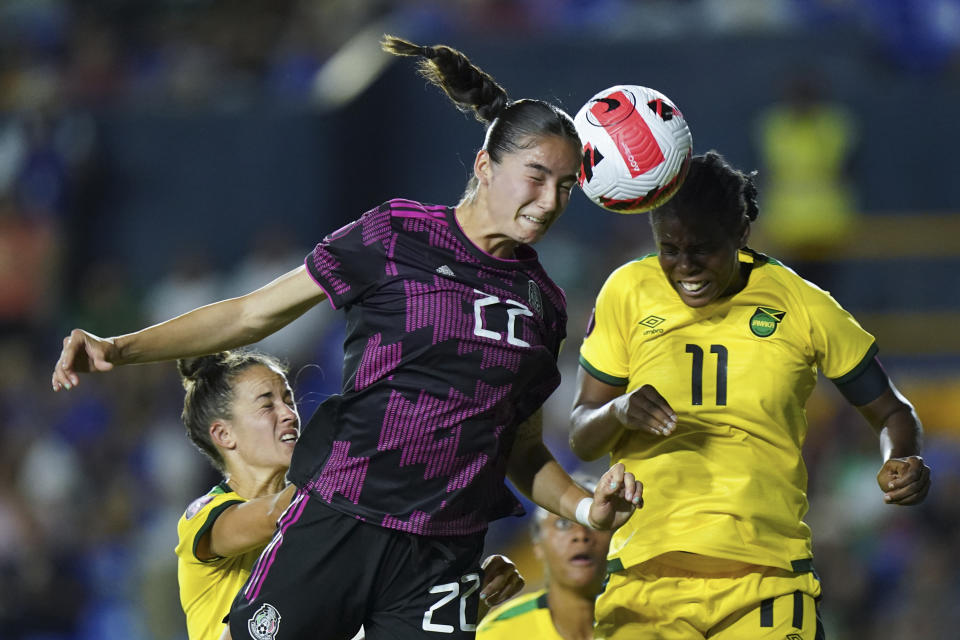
pixel 325 573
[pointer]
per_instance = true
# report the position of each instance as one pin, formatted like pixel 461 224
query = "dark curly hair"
pixel 714 186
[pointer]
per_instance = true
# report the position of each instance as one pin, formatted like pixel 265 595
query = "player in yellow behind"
pixel 694 373
pixel 574 563
pixel 239 411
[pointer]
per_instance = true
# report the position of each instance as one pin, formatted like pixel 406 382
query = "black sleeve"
pixel 866 382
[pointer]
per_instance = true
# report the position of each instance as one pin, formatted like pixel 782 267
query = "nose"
pixel 687 262
pixel 548 199
pixel 581 533
pixel 289 414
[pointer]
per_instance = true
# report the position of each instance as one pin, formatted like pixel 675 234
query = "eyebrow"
pixel 547 170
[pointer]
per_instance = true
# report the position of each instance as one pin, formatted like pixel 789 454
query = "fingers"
pixel 617 496
pixel 501 580
pixel 649 411
pixel 905 481
pixel 63 375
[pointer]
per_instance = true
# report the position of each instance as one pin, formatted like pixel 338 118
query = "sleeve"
pixel 604 351
pixel 352 260
pixel 196 522
pixel 842 347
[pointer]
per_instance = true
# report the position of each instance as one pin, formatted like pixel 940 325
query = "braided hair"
pixel 511 124
pixel 209 385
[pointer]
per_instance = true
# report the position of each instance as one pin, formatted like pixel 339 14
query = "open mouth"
pixel 289 436
pixel 693 287
pixel 582 559
pixel 533 220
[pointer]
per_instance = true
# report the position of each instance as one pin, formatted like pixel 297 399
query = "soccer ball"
pixel 636 148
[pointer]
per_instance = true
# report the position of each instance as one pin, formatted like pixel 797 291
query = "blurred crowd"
pixel 92 482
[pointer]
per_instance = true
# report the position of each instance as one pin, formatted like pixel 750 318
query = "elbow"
pixel 580 449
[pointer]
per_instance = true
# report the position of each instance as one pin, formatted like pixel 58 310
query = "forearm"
pixel 208 329
pixel 594 430
pixel 538 476
pixel 223 325
pixel 901 435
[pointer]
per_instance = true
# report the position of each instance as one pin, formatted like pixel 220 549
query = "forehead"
pixel 689 227
pixel 258 379
pixel 558 154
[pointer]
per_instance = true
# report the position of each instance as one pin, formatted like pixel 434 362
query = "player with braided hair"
pixel 453 334
pixel 695 368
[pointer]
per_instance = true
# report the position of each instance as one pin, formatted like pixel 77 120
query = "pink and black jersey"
pixel 447 350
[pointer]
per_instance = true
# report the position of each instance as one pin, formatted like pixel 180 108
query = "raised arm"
pixel 215 327
pixel 246 526
pixel 534 472
pixel 904 478
pixel 602 412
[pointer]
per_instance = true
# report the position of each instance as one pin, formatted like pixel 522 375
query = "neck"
pixel 475 221
pixel 254 483
pixel 572 613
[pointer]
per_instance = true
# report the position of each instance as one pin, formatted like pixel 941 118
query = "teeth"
pixel 535 220
pixel 288 438
pixel 693 286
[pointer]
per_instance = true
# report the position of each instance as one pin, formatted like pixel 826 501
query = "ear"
pixel 482 167
pixel 222 435
pixel 745 234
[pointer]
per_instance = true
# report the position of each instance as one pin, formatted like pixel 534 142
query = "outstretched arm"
pixel 208 329
pixel 534 472
pixel 904 478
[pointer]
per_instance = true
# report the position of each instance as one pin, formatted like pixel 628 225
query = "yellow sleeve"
pixel 197 520
pixel 604 352
pixel 841 345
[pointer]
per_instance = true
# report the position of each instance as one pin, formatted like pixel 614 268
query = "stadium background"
pixel 159 155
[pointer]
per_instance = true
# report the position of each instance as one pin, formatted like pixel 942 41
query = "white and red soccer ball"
pixel 636 148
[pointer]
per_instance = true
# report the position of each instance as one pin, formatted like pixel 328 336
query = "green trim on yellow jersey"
pixel 222 488
pixel 526 616
pixel 858 370
pixel 613 381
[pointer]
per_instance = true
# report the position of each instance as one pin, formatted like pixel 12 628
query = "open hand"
pixel 617 496
pixel 82 352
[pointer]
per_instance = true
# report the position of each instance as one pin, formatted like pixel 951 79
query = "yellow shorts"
pixel 684 596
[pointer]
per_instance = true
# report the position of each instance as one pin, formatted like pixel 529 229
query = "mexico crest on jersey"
pixel 533 295
pixel 765 321
pixel 265 623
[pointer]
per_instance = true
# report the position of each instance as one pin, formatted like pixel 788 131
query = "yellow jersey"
pixel 208 587
pixel 526 616
pixel 730 481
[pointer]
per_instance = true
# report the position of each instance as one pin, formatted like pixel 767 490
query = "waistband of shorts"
pixel 803 565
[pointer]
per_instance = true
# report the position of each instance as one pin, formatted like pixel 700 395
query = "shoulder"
pixel 220 495
pixel 522 605
pixel 637 269
pixel 641 276
pixel 405 209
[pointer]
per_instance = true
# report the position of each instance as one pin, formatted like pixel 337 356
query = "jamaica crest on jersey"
pixel 533 297
pixel 265 623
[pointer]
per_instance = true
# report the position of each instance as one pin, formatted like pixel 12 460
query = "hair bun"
pixel 193 369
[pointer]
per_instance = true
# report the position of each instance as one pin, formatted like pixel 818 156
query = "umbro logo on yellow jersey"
pixel 651 323
pixel 765 321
